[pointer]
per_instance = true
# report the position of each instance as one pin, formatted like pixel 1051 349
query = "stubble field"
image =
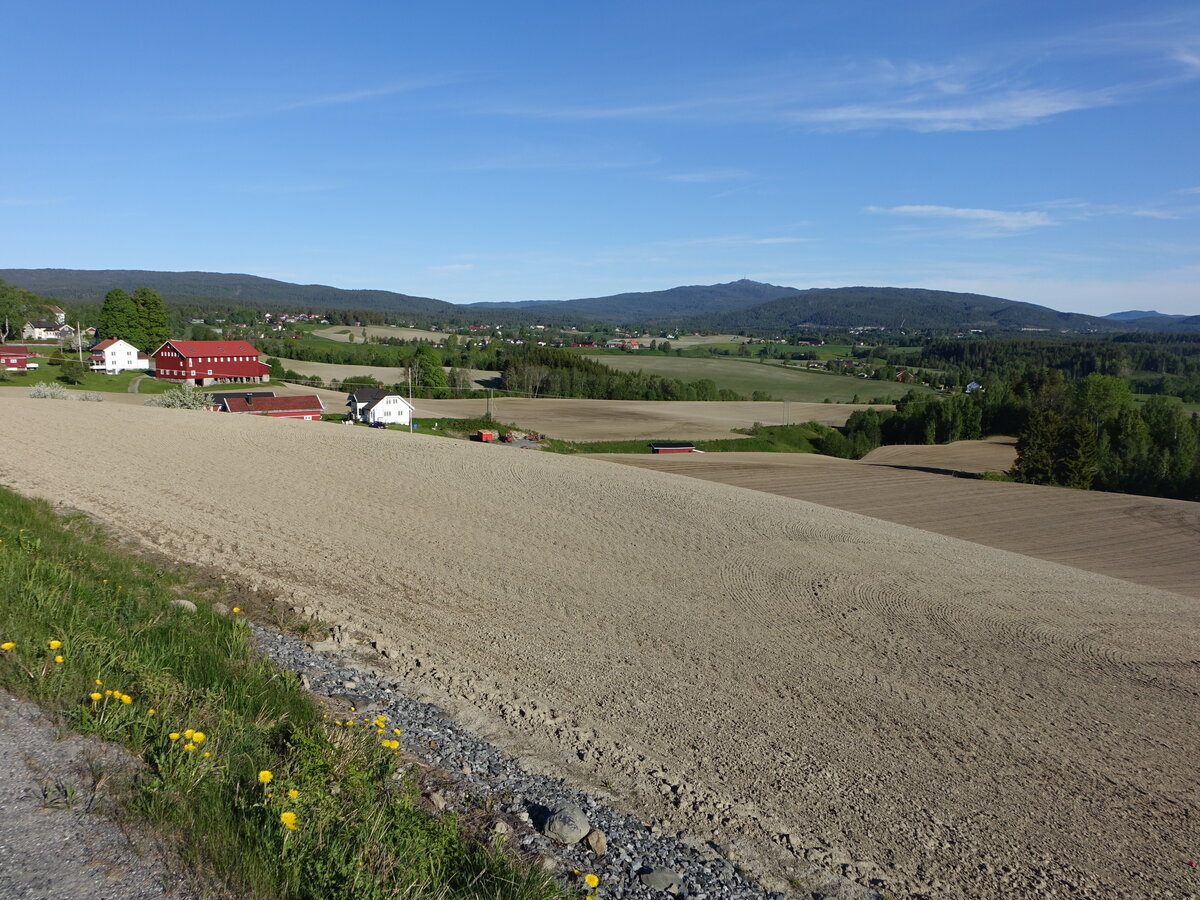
pixel 821 687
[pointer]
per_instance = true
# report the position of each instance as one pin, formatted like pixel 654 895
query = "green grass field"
pixel 746 377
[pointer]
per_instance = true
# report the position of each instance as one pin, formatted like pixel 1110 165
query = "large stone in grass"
pixel 184 604
pixel 566 823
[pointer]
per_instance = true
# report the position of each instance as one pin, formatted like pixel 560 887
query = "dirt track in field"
pixel 1148 540
pixel 818 686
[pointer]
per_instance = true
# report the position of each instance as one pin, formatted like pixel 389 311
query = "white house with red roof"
pixel 209 362
pixel 114 355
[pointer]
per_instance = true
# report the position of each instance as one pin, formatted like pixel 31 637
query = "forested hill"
pixel 678 304
pixel 201 288
pixel 742 305
pixel 914 308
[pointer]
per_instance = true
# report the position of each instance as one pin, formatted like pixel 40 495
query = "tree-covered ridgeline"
pixel 1152 363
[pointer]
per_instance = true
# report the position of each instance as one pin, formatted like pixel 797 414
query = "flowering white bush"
pixel 183 397
pixel 48 391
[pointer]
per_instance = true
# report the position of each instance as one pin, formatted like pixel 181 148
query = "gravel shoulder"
pixel 806 685
pixel 55 839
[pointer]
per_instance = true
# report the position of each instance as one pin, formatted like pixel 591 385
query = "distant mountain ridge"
pixel 734 306
pixel 688 300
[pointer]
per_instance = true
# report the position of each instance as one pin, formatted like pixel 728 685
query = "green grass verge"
pixel 186 692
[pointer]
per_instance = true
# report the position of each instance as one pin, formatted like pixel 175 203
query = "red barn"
pixel 209 362
pixel 308 407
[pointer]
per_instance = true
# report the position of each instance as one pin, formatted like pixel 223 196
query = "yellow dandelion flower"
pixel 354 709
pixel 349 722
pixel 189 733
pixel 150 712
pixel 337 721
pixel 591 880
pixel 104 581
pixel 7 645
pixel 54 645
pixel 396 731
pixel 58 659
pixel 126 699
pixel 237 609
pixel 108 693
pixel 265 776
pixel 174 735
pixel 96 696
pixel 189 747
pixel 293 793
pixel 288 818
pixel 207 754
pixel 99 682
pixel 199 737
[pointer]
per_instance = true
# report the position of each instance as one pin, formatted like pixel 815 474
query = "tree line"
pixel 1089 433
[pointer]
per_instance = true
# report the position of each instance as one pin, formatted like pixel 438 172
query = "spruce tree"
pixel 119 319
pixel 152 319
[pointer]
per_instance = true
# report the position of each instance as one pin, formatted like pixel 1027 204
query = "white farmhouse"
pixel 114 355
pixel 379 405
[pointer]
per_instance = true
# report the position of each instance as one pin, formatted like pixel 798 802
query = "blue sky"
pixel 548 150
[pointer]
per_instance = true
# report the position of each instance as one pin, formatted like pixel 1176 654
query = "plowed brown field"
pixel 822 687
pixel 614 420
pixel 994 454
pixel 1148 540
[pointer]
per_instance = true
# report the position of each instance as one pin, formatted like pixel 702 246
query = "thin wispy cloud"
pixel 985 221
pixel 242 108
pixel 737 239
pixel 942 112
pixel 704 176
pixel 995 88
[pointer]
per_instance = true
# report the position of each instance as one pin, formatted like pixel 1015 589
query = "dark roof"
pixel 221 395
pixel 673 445
pixel 239 403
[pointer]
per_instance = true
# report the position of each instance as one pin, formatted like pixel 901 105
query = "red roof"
pixel 105 344
pixel 15 349
pixel 273 404
pixel 213 348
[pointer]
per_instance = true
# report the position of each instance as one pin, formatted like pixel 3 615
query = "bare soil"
pixel 993 454
pixel 1148 540
pixel 614 420
pixel 794 681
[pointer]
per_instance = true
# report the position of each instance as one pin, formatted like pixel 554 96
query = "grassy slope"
pixel 358 833
pixel 747 376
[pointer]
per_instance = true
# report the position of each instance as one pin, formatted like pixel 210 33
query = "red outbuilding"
pixel 209 362
pixel 14 359
pixel 307 407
